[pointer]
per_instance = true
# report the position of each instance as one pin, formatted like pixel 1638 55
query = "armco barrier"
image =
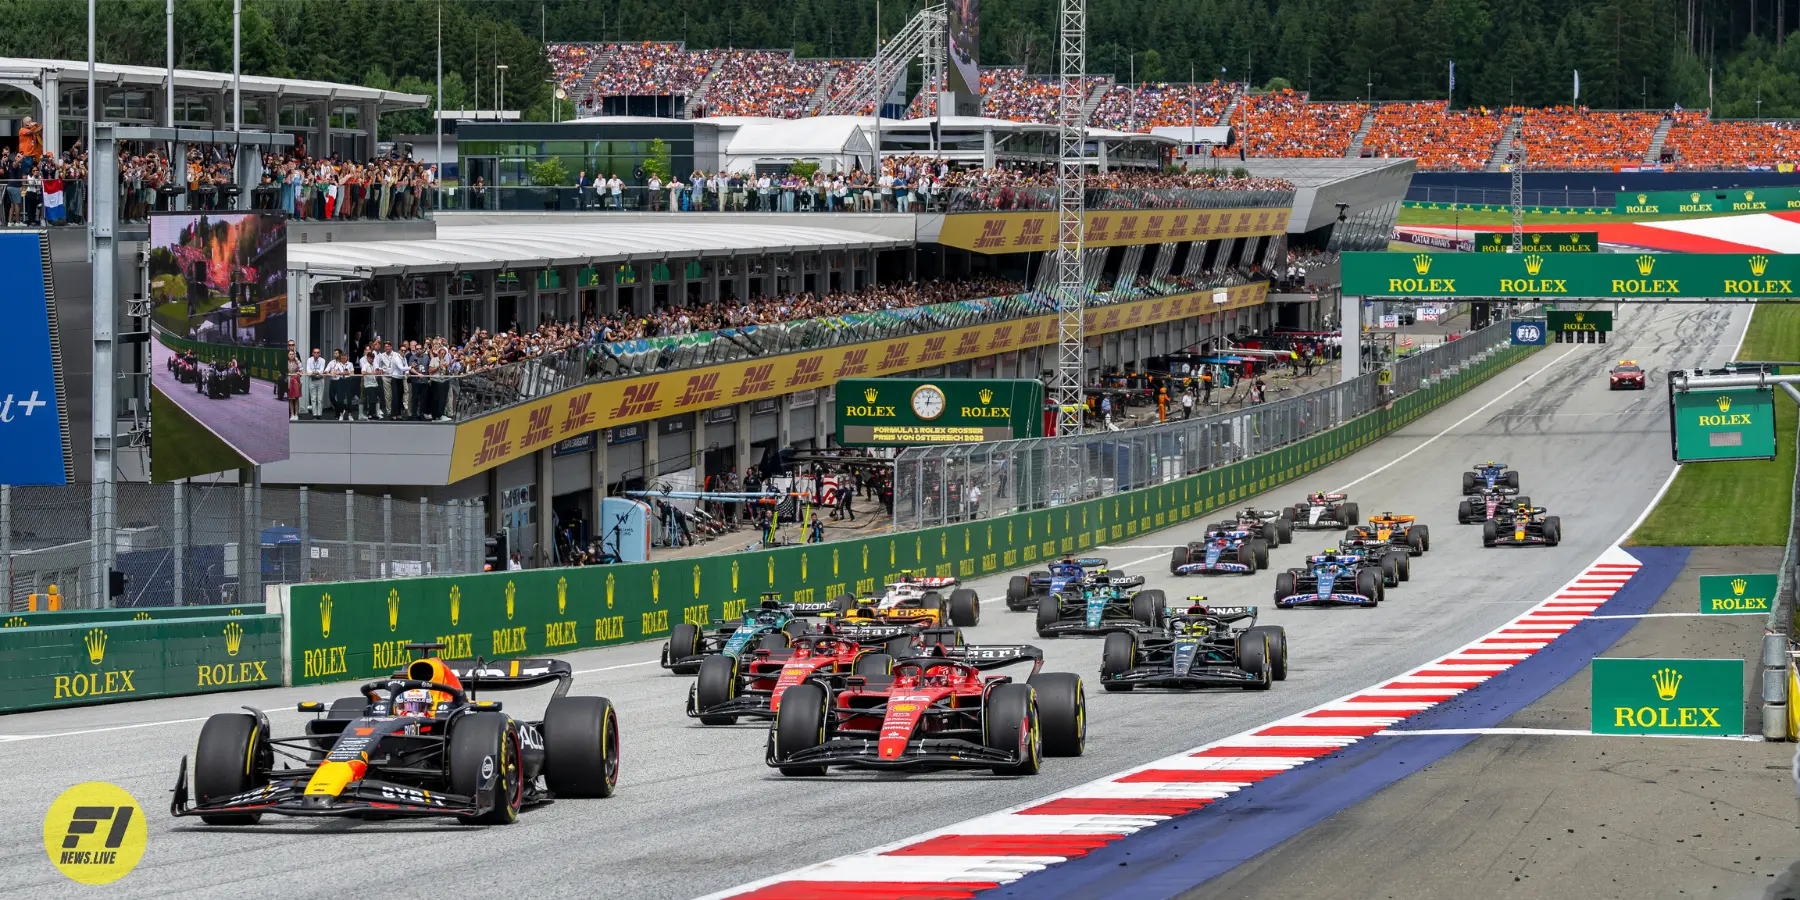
pixel 125 614
pixel 355 630
pixel 71 665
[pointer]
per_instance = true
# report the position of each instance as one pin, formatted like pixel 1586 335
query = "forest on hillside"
pixel 1630 53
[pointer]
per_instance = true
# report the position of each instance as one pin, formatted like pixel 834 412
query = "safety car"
pixel 1626 376
pixel 1198 647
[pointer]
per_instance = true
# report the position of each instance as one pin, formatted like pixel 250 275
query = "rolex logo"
pixel 511 590
pixel 987 396
pixel 1643 198
pixel 734 578
pixel 15 622
pixel 1533 263
pixel 96 645
pixel 455 603
pixel 655 585
pixel 1724 402
pixel 1694 197
pixel 325 616
pixel 1738 585
pixel 1580 316
pixel 1749 195
pixel 393 608
pixel 1645 265
pixel 234 638
pixel 696 582
pixel 1537 239
pixel 1667 682
pixel 1422 263
pixel 141 617
pixel 870 395
pixel 609 587
pixel 562 593
pixel 1758 265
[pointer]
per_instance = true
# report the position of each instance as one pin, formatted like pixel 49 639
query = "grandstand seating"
pixel 1284 123
pixel 571 61
pixel 652 68
pixel 1567 138
pixel 1438 137
pixel 763 83
pixel 1156 104
pixel 1699 144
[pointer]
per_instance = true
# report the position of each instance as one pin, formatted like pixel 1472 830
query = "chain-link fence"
pixel 189 544
pixel 939 485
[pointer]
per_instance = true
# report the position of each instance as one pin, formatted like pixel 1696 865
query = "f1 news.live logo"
pixel 95 833
pixel 86 821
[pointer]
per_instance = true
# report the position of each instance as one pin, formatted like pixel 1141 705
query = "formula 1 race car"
pixel 914 600
pixel 1401 531
pixel 1487 505
pixel 1198 648
pixel 1024 591
pixel 1097 610
pixel 1322 512
pixel 417 743
pixel 934 711
pixel 1522 526
pixel 1221 553
pixel 1490 476
pixel 770 624
pixel 1625 376
pixel 1274 526
pixel 1329 580
pixel 752 684
pixel 1393 563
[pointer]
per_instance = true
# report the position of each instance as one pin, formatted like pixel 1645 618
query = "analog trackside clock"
pixel 928 401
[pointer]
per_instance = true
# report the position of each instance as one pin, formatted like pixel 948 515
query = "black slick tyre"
pixel 1148 607
pixel 233 756
pixel 1390 570
pixel 684 641
pixel 1352 515
pixel 1062 713
pixel 1253 657
pixel 874 664
pixel 716 684
pixel 581 747
pixel 1261 548
pixel 1284 586
pixel 1465 513
pixel 1552 530
pixel 483 753
pixel 1018 592
pixel 1117 657
pixel 965 608
pixel 843 603
pixel 1278 658
pixel 1284 527
pixel 1489 533
pixel 1049 612
pixel 800 725
pixel 1178 557
pixel 1468 479
pixel 1368 584
pixel 1009 723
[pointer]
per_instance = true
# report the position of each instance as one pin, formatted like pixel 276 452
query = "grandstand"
pixel 1568 138
pixel 1287 123
pixel 1436 136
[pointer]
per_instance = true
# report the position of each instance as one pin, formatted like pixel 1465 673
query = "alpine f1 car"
pixel 1626 376
pixel 1325 512
pixel 1490 476
pixel 1329 580
pixel 1097 610
pixel 913 599
pixel 1487 505
pixel 1393 563
pixel 1401 531
pixel 1274 526
pixel 1197 648
pixel 1221 553
pixel 752 684
pixel 772 624
pixel 418 743
pixel 1067 574
pixel 935 711
pixel 1522 526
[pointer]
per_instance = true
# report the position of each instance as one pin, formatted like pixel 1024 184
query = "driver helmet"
pixel 415 702
pixel 937 675
pixel 1317 497
pixel 1330 554
pixel 1190 627
pixel 1100 572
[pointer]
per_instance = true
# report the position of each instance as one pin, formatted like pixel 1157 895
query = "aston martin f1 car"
pixel 772 624
pixel 752 684
pixel 1325 512
pixel 1329 580
pixel 1097 610
pixel 935 711
pixel 1401 531
pixel 1198 648
pixel 1067 574
pixel 1490 476
pixel 1220 553
pixel 1487 505
pixel 1522 526
pixel 1392 563
pixel 417 743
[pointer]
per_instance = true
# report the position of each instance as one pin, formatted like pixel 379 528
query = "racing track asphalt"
pixel 698 811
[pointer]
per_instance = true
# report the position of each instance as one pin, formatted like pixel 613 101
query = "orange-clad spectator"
pixel 1564 137
pixel 31 138
pixel 762 83
pixel 1286 123
pixel 1439 138
pixel 1737 144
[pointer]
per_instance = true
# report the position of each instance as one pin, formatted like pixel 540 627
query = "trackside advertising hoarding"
pixel 901 412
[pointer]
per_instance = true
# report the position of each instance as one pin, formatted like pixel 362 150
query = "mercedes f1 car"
pixel 418 743
pixel 1097 610
pixel 1487 505
pixel 1329 580
pixel 1325 512
pixel 1067 574
pixel 771 624
pixel 752 684
pixel 935 711
pixel 1197 648
pixel 1400 531
pixel 1220 553
pixel 1522 526
pixel 1490 476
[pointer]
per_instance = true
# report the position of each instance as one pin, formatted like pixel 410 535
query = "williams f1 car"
pixel 771 624
pixel 1490 476
pixel 418 743
pixel 1067 574
pixel 1325 512
pixel 1487 505
pixel 1522 526
pixel 1273 526
pixel 1097 610
pixel 1329 580
pixel 935 711
pixel 1197 648
pixel 752 684
pixel 1400 531
pixel 1221 553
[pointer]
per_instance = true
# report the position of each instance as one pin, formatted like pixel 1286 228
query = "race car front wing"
pixel 1334 598
pixel 287 796
pixel 1196 677
pixel 1219 568
pixel 920 753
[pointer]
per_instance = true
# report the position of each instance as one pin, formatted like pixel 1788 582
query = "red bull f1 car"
pixel 1522 526
pixel 417 743
pixel 751 685
pixel 1329 580
pixel 1487 505
pixel 1490 476
pixel 1325 512
pixel 933 712
pixel 1199 647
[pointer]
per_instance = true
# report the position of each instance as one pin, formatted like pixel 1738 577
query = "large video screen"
pixel 34 423
pixel 219 376
pixel 965 55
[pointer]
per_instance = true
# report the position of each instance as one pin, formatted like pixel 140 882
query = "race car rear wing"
pixel 1226 614
pixel 1090 561
pixel 985 656
pixel 512 674
pixel 865 633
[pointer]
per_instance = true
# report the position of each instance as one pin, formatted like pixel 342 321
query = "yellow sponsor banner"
pixel 499 437
pixel 1021 232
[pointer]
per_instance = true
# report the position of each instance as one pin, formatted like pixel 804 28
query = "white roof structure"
pixel 470 248
pixel 112 75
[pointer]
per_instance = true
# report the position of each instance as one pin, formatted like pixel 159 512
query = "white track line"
pixel 1566 732
pixel 1676 615
pixel 11 738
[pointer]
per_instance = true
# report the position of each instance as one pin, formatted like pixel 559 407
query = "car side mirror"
pixel 311 706
pixel 856 681
pixel 488 705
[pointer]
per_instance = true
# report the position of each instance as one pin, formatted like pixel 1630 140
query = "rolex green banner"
pixel 1668 696
pixel 1539 242
pixel 1578 320
pixel 1720 594
pixel 1722 424
pixel 1549 275
pixel 1735 200
pixel 46 666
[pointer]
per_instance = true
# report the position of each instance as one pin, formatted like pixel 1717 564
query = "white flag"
pixel 1578 84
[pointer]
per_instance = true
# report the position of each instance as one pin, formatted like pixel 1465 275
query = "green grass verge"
pixel 1737 503
pixel 181 447
pixel 1532 220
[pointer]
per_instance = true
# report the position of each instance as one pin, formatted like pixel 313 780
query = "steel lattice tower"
pixel 1071 284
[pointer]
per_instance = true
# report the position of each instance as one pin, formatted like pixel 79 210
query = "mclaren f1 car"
pixel 1404 532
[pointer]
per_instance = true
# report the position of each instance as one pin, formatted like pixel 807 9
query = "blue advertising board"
pixel 1529 332
pixel 33 424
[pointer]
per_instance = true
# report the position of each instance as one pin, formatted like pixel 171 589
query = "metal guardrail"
pixel 812 198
